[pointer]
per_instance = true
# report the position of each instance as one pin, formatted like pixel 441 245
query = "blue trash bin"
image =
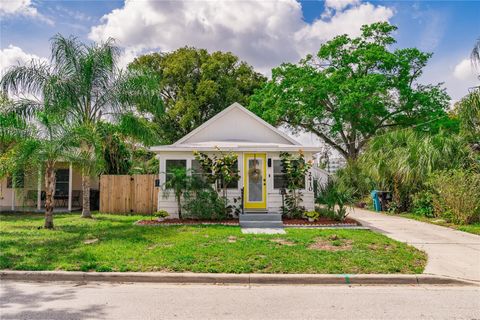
pixel 376 201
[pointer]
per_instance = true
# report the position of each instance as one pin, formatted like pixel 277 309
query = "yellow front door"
pixel 255 180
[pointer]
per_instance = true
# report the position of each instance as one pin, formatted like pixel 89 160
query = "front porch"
pixel 26 193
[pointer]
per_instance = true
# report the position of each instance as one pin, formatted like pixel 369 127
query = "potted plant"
pixel 312 215
pixel 161 215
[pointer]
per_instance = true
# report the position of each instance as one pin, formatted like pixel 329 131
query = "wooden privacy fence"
pixel 125 193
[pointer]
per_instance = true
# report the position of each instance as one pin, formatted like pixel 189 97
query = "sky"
pixel 263 33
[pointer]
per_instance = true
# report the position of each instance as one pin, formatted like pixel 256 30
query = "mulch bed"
pixel 321 222
pixel 176 222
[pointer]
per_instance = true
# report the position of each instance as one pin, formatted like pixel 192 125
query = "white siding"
pixel 274 198
pixel 237 125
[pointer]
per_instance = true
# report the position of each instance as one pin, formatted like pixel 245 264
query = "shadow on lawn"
pixel 26 305
pixel 24 247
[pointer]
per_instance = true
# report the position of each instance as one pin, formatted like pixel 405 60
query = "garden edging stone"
pixel 224 278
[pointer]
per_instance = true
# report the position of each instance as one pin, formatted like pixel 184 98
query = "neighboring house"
pixel 27 193
pixel 257 145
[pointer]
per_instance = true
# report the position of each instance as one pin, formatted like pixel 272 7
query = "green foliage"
pixel 314 215
pixel 353 89
pixel 178 181
pixel 456 195
pixel 194 85
pixel 295 169
pixel 401 161
pixel 354 179
pixel 468 110
pixel 220 170
pixel 161 214
pixel 144 162
pixel 335 198
pixel 206 204
pixel 423 204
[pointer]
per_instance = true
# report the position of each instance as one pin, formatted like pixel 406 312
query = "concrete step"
pixel 260 217
pixel 261 224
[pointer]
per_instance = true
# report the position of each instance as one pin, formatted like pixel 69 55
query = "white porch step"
pixel 261 224
pixel 260 217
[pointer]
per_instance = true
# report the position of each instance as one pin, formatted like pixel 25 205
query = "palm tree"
pixel 86 86
pixel 402 160
pixel 42 145
pixel 178 182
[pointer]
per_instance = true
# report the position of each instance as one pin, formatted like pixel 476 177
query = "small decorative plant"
pixel 295 168
pixel 161 215
pixel 312 215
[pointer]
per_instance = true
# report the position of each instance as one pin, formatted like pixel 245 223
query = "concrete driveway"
pixel 450 252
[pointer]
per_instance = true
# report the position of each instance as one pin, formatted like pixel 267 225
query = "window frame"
pixel 174 159
pixel 303 188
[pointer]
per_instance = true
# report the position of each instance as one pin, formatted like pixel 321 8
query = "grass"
pixel 470 228
pixel 118 245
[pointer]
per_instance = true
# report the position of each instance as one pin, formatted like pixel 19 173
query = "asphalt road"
pixel 62 300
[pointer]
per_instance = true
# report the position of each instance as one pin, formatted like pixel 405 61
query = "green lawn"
pixel 471 228
pixel 122 246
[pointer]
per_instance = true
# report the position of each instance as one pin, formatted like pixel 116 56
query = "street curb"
pixel 224 278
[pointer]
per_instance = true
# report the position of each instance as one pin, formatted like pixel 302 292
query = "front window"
pixel 231 184
pixel 279 177
pixel 17 180
pixel 171 165
pixel 61 182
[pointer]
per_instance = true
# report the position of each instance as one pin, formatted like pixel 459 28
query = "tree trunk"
pixel 49 194
pixel 86 195
pixel 179 204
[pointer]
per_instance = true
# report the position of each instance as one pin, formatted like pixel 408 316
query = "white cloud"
pixel 13 55
pixel 22 8
pixel 264 33
pixel 464 71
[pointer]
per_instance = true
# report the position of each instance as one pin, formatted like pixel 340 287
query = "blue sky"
pixel 262 33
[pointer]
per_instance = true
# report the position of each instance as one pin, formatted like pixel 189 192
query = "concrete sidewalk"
pixel 451 253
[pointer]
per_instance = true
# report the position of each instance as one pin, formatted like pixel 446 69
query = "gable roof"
pixel 230 110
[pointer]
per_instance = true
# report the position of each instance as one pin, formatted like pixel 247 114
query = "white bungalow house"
pixel 27 193
pixel 257 145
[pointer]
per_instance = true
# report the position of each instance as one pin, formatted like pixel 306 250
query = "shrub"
pixel 335 197
pixel 312 215
pixel 205 204
pixel 423 204
pixel 161 214
pixel 456 196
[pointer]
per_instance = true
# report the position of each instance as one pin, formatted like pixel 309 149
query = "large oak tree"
pixel 351 90
pixel 193 85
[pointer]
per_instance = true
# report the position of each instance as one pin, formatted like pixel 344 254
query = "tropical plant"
pixel 353 89
pixel 161 214
pixel 401 161
pixel 178 182
pixel 335 198
pixel 422 204
pixel 83 84
pixel 468 110
pixel 41 148
pixel 312 215
pixel 205 204
pixel 220 169
pixel 193 86
pixel 295 169
pixel 456 195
